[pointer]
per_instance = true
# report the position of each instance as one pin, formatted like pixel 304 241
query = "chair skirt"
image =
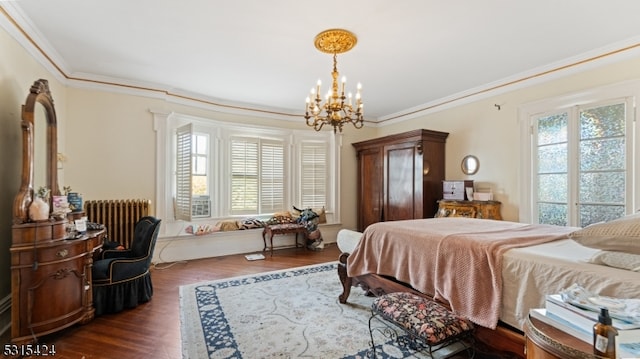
pixel 114 298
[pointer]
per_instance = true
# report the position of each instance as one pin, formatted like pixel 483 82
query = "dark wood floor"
pixel 152 330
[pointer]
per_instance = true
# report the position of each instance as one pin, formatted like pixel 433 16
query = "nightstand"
pixel 544 341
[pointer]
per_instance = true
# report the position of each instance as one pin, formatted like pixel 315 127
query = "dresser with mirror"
pixel 50 268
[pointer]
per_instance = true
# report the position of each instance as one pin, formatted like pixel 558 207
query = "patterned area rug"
pixel 292 313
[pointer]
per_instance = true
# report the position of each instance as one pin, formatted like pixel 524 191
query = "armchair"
pixel 121 278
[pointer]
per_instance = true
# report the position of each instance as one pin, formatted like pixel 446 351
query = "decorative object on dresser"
pixel 471 209
pixel 456 190
pixel 50 271
pixel 400 176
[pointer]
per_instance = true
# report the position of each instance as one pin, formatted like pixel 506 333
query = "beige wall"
pixel 111 154
pixel 18 71
pixel 493 135
pixel 109 140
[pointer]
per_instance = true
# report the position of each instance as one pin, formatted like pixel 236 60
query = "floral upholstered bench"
pixel 427 325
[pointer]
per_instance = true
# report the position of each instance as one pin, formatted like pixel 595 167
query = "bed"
pixel 491 272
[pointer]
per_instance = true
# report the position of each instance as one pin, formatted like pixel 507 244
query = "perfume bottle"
pixel 604 336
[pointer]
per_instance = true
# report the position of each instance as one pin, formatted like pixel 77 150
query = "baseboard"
pixel 181 248
pixel 5 315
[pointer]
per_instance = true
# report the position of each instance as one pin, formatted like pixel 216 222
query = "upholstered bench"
pixel 428 325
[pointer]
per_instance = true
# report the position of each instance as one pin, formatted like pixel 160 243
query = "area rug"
pixel 291 313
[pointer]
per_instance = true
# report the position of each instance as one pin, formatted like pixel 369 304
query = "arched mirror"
pixel 470 165
pixel 39 148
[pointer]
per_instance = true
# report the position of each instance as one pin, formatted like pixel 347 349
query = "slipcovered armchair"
pixel 121 278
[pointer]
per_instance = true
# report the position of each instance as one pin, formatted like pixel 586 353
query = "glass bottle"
pixel 604 336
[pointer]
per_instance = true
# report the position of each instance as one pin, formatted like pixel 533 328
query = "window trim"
pixel 628 90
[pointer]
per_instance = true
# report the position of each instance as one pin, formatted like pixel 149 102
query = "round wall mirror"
pixel 470 165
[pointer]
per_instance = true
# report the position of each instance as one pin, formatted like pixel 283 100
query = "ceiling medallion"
pixel 334 111
pixel 335 41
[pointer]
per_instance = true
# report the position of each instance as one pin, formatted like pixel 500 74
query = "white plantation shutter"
pixel 244 175
pixel 184 136
pixel 313 174
pixel 257 176
pixel 271 177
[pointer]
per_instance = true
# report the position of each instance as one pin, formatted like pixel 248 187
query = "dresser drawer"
pixel 45 254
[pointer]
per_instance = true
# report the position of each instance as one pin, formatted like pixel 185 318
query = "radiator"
pixel 118 216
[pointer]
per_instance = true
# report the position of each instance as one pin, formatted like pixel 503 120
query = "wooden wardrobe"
pixel 400 176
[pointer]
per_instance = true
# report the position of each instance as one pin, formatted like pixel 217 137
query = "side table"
pixel 544 341
pixel 284 228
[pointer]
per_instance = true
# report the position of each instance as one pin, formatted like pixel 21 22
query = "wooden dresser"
pixel 471 209
pixel 50 279
pixel 50 275
pixel 400 176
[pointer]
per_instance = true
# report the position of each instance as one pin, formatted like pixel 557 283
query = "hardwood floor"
pixel 152 330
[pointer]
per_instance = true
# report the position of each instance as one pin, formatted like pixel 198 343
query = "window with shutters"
pixel 184 136
pixel 257 176
pixel 245 172
pixel 313 176
pixel 192 174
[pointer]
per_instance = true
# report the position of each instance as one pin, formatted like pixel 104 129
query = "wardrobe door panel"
pixel 370 208
pixel 399 185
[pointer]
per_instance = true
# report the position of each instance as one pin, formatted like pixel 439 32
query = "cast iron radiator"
pixel 119 216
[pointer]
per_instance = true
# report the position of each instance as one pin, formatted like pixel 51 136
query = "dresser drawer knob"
pixel 63 253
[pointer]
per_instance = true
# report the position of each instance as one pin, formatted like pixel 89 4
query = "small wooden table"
pixel 284 228
pixel 547 342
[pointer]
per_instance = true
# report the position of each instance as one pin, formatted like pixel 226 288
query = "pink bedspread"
pixel 455 260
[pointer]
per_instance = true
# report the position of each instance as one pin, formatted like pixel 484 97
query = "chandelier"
pixel 337 108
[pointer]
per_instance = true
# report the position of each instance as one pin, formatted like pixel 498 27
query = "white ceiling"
pixel 410 55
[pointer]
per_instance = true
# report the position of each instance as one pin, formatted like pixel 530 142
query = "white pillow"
pixel 620 260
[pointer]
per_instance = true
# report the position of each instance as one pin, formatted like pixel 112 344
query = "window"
pixel 257 176
pixel 192 174
pixel 223 170
pixel 581 159
pixel 597 136
pixel 313 189
pixel 200 171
